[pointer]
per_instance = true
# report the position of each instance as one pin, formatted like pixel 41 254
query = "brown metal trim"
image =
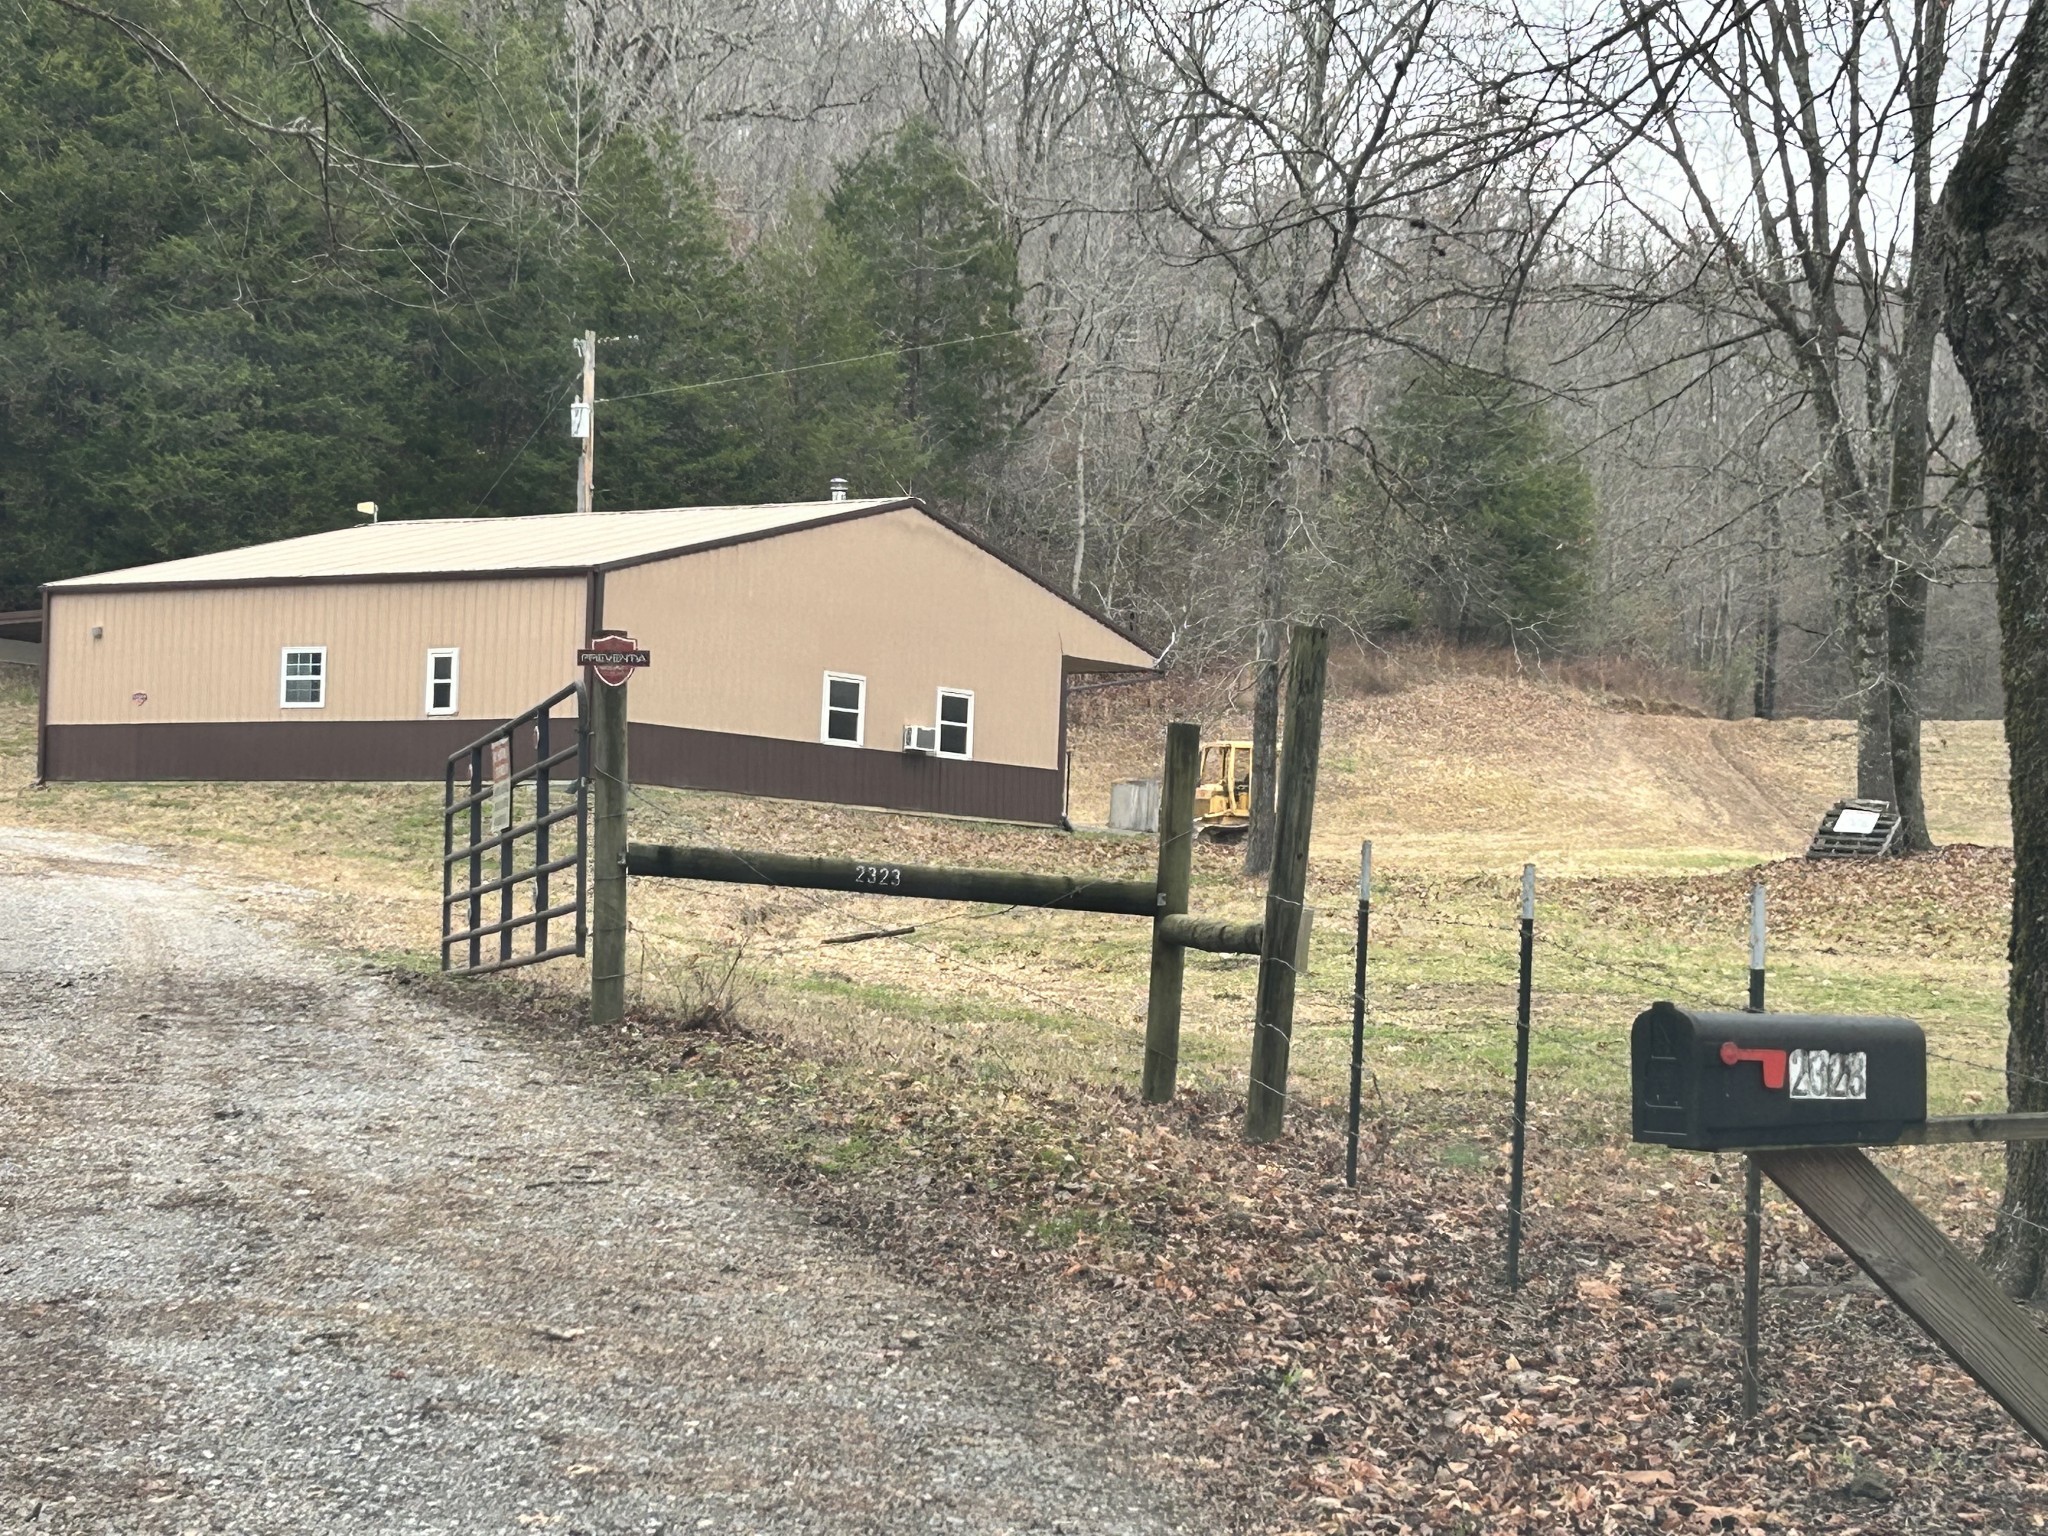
pixel 43 699
pixel 379 578
pixel 1066 788
pixel 678 757
pixel 593 622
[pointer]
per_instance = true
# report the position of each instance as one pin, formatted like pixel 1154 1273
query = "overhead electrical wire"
pixel 737 378
pixel 545 417
pixel 837 362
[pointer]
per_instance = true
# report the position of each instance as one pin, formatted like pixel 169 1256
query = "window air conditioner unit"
pixel 921 738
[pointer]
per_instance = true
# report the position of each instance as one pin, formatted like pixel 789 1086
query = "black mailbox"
pixel 1713 1081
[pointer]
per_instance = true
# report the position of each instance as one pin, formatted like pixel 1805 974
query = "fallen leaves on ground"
pixel 1347 1360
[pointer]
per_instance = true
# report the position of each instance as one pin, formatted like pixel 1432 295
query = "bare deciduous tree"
pixel 1282 138
pixel 1803 144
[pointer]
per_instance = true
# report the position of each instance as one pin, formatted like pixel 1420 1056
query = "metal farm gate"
pixel 484 778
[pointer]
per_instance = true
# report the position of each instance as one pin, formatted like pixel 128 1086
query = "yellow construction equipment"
pixel 1223 791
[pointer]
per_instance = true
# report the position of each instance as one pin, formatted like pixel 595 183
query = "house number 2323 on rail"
pixel 877 874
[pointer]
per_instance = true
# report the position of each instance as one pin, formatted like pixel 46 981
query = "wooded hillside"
pixel 1425 317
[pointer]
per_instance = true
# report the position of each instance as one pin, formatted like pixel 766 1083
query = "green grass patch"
pixel 1067 1227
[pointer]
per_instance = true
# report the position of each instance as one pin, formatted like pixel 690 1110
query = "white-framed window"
pixel 956 722
pixel 302 677
pixel 444 679
pixel 843 718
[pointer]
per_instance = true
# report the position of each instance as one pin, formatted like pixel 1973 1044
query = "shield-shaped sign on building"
pixel 613 657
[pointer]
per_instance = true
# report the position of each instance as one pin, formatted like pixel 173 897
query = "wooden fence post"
pixel 1176 864
pixel 608 775
pixel 1273 1024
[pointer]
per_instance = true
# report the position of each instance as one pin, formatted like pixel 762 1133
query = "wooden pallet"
pixel 1832 841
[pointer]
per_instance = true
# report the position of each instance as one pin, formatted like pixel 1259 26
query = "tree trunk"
pixel 1907 623
pixel 1995 209
pixel 1260 839
pixel 1764 697
pixel 1080 503
pixel 1868 580
pixel 1906 535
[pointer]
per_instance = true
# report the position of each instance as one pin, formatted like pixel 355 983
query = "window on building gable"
pixel 443 673
pixel 303 684
pixel 845 709
pixel 956 723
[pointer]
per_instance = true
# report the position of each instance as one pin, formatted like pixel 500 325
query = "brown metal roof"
pixel 469 546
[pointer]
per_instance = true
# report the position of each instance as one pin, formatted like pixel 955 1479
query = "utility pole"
pixel 586 469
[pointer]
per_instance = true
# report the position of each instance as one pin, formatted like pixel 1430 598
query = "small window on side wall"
pixel 303 680
pixel 956 723
pixel 845 716
pixel 444 672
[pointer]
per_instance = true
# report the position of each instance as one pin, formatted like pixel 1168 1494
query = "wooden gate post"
pixel 1273 1024
pixel 607 852
pixel 1176 866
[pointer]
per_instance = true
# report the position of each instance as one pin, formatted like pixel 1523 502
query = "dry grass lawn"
pixel 922 1086
pixel 1644 828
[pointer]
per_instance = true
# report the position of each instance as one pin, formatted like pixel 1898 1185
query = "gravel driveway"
pixel 284 1249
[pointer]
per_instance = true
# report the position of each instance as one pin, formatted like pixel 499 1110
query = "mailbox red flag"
pixel 1772 1062
pixel 613 657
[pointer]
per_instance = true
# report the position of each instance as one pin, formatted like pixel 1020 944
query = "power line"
pixel 545 417
pixel 837 362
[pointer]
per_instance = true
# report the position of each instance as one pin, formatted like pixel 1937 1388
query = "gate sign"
pixel 501 784
pixel 613 657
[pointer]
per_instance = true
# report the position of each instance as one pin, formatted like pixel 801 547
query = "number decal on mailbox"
pixel 877 874
pixel 1829 1074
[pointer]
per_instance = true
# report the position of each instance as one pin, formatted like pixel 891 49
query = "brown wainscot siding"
pixel 347 750
pixel 680 758
pixel 670 756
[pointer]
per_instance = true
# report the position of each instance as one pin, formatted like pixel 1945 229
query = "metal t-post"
pixel 1521 1131
pixel 607 852
pixel 1753 1188
pixel 1358 1009
pixel 1273 1023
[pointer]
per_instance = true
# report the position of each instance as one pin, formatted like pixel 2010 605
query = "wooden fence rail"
pixel 998 887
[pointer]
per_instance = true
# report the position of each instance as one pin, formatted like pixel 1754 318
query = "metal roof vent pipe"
pixel 839 487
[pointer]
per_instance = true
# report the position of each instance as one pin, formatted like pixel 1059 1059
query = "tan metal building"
pixel 792 645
